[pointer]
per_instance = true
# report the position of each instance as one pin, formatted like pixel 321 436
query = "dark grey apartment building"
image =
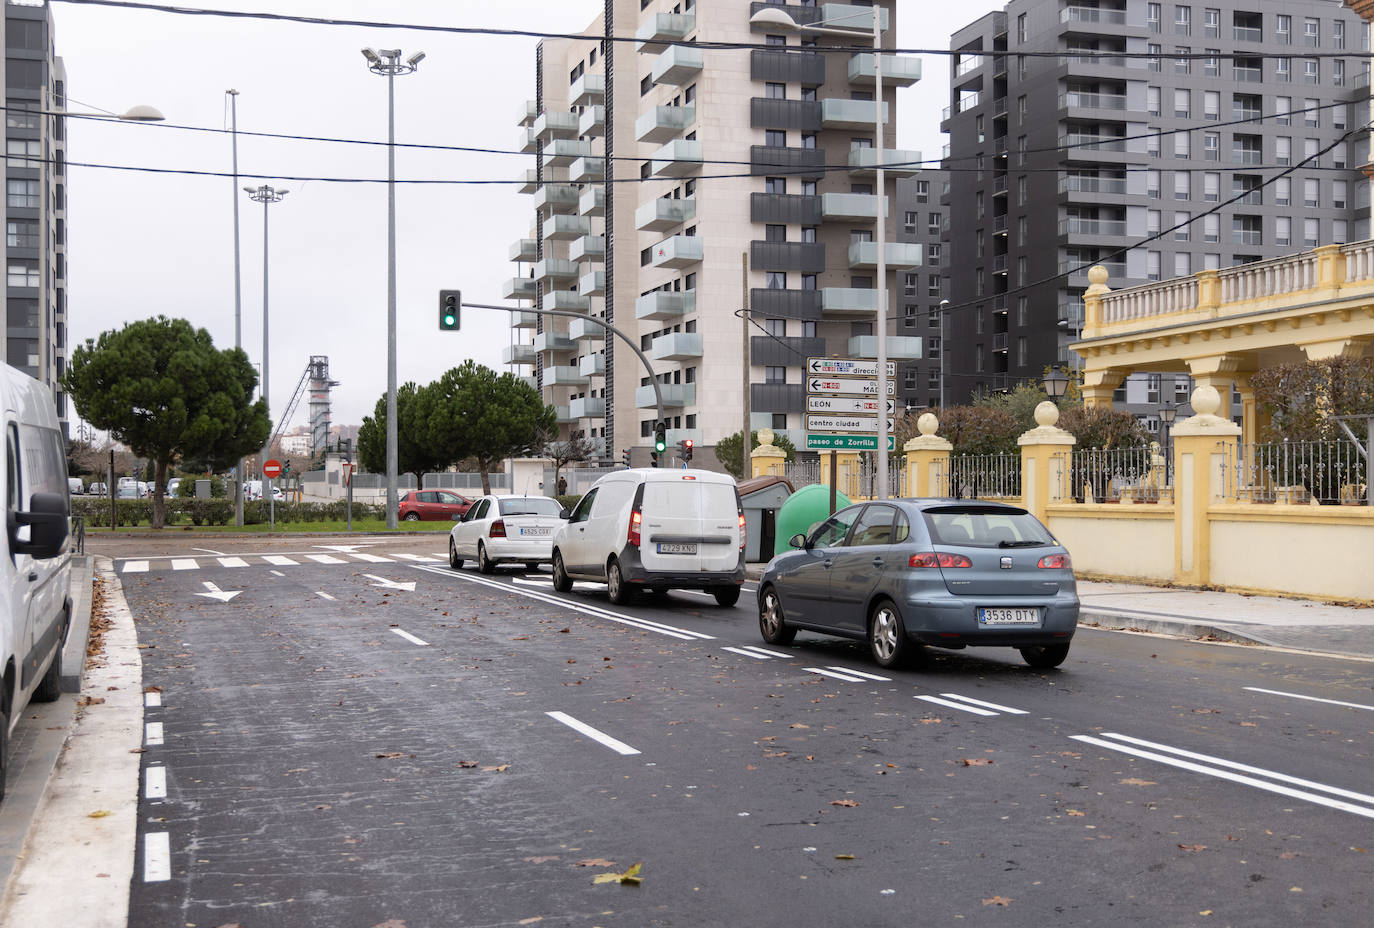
pixel 923 220
pixel 1079 157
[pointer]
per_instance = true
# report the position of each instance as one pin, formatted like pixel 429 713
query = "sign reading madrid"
pixel 857 385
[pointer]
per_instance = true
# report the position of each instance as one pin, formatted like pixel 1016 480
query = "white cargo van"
pixel 35 569
pixel 655 529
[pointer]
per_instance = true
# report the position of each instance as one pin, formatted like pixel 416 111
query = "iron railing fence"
pixel 1330 472
pixel 983 476
pixel 1107 474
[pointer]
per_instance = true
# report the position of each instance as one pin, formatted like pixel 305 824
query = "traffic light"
pixel 653 458
pixel 686 445
pixel 286 466
pixel 660 436
pixel 625 456
pixel 450 307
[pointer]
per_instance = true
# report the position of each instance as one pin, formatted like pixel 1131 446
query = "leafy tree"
pixel 1103 427
pixel 731 456
pixel 1302 398
pixel 413 454
pixel 970 429
pixel 1020 402
pixel 474 412
pixel 161 387
pixel 563 453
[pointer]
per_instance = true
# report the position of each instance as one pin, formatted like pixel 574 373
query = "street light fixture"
pixel 944 352
pixel 388 64
pixel 1167 412
pixel 778 18
pixel 1055 382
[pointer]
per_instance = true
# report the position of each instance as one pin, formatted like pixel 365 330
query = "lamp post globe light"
pixel 388 63
pixel 1056 383
pixel 1167 412
pixel 778 18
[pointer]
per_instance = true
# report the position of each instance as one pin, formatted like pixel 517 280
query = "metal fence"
pixel 1330 472
pixel 982 476
pixel 854 482
pixel 1106 474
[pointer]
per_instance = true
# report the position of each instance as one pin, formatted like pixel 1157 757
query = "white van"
pixel 35 594
pixel 655 529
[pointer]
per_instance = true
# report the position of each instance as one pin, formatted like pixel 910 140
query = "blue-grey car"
pixel 905 573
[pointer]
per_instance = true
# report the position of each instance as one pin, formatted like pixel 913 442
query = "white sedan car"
pixel 505 528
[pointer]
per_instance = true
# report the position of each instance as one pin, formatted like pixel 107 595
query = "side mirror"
pixel 798 541
pixel 565 514
pixel 47 523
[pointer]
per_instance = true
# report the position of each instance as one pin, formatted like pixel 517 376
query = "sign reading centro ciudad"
pixel 847 389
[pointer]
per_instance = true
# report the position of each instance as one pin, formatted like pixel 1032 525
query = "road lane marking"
pixel 951 704
pixel 860 673
pixel 280 560
pixel 232 562
pixel 764 651
pixel 547 583
pixel 209 551
pixel 741 651
pixel 593 611
pixel 1178 761
pixel 323 595
pixel 407 585
pixel 155 783
pixel 369 558
pixel 620 747
pixel 1329 702
pixel 135 567
pixel 986 705
pixel 278 573
pixel 216 593
pixel 184 563
pixel 326 559
pixel 423 558
pixel 152 700
pixel 152 734
pixel 157 857
pixel 831 673
pixel 411 638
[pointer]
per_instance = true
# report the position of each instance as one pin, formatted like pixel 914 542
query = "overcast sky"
pixel 140 243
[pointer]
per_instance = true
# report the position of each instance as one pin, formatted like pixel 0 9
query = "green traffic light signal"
pixel 450 309
pixel 660 437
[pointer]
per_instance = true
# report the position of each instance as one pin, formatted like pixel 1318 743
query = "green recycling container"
pixel 803 511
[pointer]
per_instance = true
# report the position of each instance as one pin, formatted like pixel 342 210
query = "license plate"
pixel 1006 616
pixel 534 531
pixel 677 548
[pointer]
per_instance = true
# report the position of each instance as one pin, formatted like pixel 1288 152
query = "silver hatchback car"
pixel 906 573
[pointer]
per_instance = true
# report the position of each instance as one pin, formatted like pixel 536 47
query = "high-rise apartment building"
pixel 660 170
pixel 1078 156
pixel 925 221
pixel 35 334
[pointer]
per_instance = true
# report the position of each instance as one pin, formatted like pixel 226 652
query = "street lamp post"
pixel 944 352
pixel 238 277
pixel 388 63
pixel 266 196
pixel 1167 412
pixel 774 16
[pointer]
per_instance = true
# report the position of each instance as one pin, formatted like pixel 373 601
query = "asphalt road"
pixel 330 747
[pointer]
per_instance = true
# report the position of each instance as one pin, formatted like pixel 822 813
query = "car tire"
pixel 1045 656
pixel 484 564
pixel 726 595
pixel 617 590
pixel 50 687
pixel 454 560
pixel 773 629
pixel 412 517
pixel 561 581
pixel 887 640
pixel 531 565
pixel 4 751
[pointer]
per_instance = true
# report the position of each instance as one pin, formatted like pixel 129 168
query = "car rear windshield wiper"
pixel 1020 544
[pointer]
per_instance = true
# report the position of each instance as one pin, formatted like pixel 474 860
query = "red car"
pixel 433 505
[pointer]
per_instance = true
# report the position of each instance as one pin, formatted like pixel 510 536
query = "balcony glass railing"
pixel 1075 225
pixel 1092 14
pixel 1092 142
pixel 968 63
pixel 1078 184
pixel 1247 34
pixel 1094 101
pixel 1247 237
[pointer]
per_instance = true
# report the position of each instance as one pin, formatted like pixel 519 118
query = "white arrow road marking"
pixel 323 595
pixel 620 747
pixel 411 638
pixel 157 857
pixel 208 551
pixel 217 593
pixel 1330 702
pixel 407 585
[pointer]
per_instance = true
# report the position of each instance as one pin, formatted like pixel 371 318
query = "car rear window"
pixel 530 506
pixel 985 527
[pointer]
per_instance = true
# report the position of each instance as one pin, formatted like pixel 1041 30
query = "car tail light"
pixel 743 532
pixel 636 520
pixel 932 559
pixel 497 530
pixel 1055 562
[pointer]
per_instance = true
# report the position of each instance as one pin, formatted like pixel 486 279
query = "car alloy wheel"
pixel 412 517
pixel 772 628
pixel 886 635
pixel 617 591
pixel 1045 656
pixel 454 560
pixel 484 563
pixel 561 581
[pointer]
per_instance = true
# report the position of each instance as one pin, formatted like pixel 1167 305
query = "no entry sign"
pixel 272 468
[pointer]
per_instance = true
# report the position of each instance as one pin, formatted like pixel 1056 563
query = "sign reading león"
pixel 869 406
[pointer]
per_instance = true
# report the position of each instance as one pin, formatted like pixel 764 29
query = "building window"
pixel 1283 70
pixel 1211 187
pixel 922 191
pixel 1311 32
pixel 1283 191
pixel 933 346
pixel 775 233
pixel 773 374
pixel 23 272
pixel 1283 231
pixel 1311 71
pixel 1311 117
pixel 23 193
pixel 775 185
pixel 1154 50
pixel 1309 233
pixel 1021 351
pixel 909 219
pixel 776 280
pixel 933 223
pixel 1283 108
pixel 775 138
pixel 1283 29
pixel 775 91
pixel 1183 103
pixel 1183 65
pixel 1181 226
pixel 1338 232
pixel 23 233
pixel 1183 20
pixel 1152 14
pixel 934 288
pixel 1283 150
pixel 934 254
pixel 1311 196
pixel 775 327
pixel 1338 200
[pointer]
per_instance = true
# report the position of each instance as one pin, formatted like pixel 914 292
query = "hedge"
pixel 217 511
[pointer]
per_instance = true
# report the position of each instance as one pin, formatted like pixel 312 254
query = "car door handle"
pixel 877 562
pixel 826 563
pixel 33 575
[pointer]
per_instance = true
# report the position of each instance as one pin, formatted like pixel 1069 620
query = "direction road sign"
pixel 861 386
pixel 846 442
pixel 847 367
pixel 866 405
pixel 271 468
pixel 846 424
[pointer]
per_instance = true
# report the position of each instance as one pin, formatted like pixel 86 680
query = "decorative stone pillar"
pixel 1217 371
pixel 1204 447
pixel 1208 289
pixel 1044 459
pixel 1092 301
pixel 927 460
pixel 767 460
pixel 1330 266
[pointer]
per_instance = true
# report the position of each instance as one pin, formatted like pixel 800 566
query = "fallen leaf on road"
pixel 798 725
pixel 467 764
pixel 844 856
pixel 1075 812
pixel 847 803
pixel 998 900
pixel 1193 848
pixel 521 638
pixel 501 769
pixel 1288 855
pixel 1207 711
pixel 1247 724
pixel 390 754
pixel 931 721
pixel 977 761
pixel 90 700
pixel 1136 781
pixel 391 923
pixel 100 813
pixel 531 921
pixel 775 754
pixel 595 862
pixel 630 877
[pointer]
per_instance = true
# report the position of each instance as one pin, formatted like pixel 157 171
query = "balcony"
pixel 896 162
pixel 587 170
pixel 518 354
pixel 768 160
pixel 783 350
pixel 848 301
pixel 564 228
pixel 967 63
pixel 1078 268
pixel 1074 225
pixel 563 415
pixel 786 304
pixel 663 27
pixel 663 305
pixel 555 124
pixel 585 330
pixel 898 255
pixel 592 202
pixel 588 407
pixel 662 214
pixel 529 110
pixel 528 144
pixel 528 181
pixel 563 152
pixel 676 346
pixel 1247 33
pixel 566 300
pixel 661 123
pixel 592 283
pixel 1247 237
pixel 1089 14
pixel 524 320
pixel 849 206
pixel 592 122
pixel 850 114
pixel 786 208
pixel 588 89
pixel 803 257
pixel 518 288
pixel 1247 156
pixel 899 348
pixel 675 395
pixel 790 66
pixel 898 70
pixel 552 341
pixel 851 16
pixel 523 249
pixel 678 158
pixel 556 198
pixel 564 376
pixel 791 115
pixel 1092 101
pixel 592 365
pixel 676 65
pixel 678 251
pixel 588 248
pixel 1075 183
pixel 1084 142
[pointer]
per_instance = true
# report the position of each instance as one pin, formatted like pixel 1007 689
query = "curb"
pixel 74 648
pixel 1125 620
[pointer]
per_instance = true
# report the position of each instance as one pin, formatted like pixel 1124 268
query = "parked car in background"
pixel 97 489
pixel 172 486
pixel 433 505
pixel 906 573
pixel 127 488
pixel 505 528
pixel 74 486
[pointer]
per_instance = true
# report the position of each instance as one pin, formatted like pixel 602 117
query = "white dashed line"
pixel 278 573
pixel 743 652
pixel 1329 702
pixel 135 567
pixel 620 747
pixel 152 700
pixel 951 704
pixel 370 558
pixel 232 562
pixel 155 783
pixel 865 675
pixel 411 638
pixel 833 673
pixel 422 558
pixel 986 705
pixel 157 857
pixel 152 734
pixel 764 651
pixel 323 595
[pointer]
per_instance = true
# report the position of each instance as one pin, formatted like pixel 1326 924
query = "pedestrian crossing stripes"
pixel 144 565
